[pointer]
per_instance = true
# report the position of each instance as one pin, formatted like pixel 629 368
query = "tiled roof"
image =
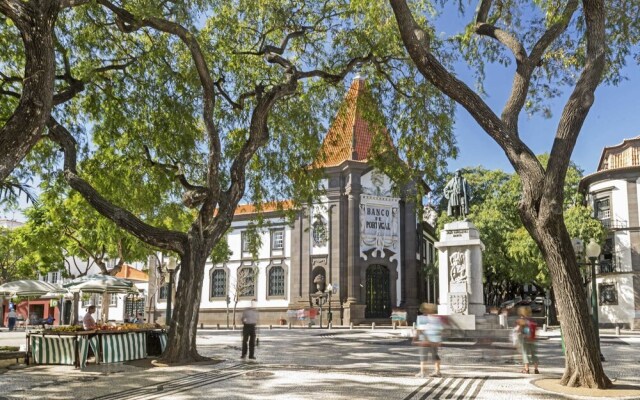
pixel 351 135
pixel 266 207
pixel 625 154
pixel 128 272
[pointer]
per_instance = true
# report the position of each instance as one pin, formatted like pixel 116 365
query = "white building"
pixel 614 192
pixel 362 238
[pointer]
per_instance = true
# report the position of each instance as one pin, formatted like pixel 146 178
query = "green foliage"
pixel 510 253
pixel 527 21
pixel 16 260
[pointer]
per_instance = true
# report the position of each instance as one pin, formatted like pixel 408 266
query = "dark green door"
pixel 378 294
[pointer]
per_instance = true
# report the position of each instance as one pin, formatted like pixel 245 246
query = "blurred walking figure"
pixel 249 321
pixel 428 337
pixel 526 328
pixel 12 317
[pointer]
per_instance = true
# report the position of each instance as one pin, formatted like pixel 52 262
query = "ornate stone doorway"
pixel 378 294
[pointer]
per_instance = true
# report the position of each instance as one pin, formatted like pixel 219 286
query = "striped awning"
pixel 99 284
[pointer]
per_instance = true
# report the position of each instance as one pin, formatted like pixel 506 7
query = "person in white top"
pixel 12 316
pixel 249 320
pixel 88 323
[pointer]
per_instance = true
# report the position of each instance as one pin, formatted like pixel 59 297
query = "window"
pixel 319 232
pixel 602 208
pixel 246 282
pixel 277 239
pixel 219 283
pixel 113 300
pixel 245 242
pixel 608 294
pixel 54 277
pixel 163 294
pixel 276 281
pixel 133 306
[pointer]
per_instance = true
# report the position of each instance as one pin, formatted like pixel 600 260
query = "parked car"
pixel 511 306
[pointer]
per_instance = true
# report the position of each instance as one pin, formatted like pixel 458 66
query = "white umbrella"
pixel 27 288
pixel 99 284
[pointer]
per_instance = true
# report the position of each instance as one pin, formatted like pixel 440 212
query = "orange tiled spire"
pixel 350 136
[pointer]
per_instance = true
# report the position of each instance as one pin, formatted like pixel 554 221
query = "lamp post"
pixel 171 266
pixel 329 292
pixel 593 252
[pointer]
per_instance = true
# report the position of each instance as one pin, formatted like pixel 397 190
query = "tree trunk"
pixel 582 358
pixel 23 129
pixel 181 344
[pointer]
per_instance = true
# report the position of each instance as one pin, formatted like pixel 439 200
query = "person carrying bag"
pixel 428 338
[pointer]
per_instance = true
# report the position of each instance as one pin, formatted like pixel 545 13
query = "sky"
pixel 614 116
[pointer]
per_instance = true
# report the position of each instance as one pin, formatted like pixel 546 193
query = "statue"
pixel 458 194
pixel 319 281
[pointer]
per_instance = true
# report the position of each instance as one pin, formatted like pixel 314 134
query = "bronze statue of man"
pixel 458 194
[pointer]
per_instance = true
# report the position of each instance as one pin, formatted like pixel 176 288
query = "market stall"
pixel 110 344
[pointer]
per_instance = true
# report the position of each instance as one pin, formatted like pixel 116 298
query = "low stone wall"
pixel 8 358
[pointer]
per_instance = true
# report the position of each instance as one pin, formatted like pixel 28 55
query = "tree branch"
pixel 194 195
pixel 553 32
pixel 580 102
pixel 206 81
pixel 164 239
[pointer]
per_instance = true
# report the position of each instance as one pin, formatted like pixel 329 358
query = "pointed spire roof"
pixel 351 136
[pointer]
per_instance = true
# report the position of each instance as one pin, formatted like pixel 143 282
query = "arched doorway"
pixel 378 298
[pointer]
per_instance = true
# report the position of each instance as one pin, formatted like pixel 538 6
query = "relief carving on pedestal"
pixel 458 267
pixel 458 303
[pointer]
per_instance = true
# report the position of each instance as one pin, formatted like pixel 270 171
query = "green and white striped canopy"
pixel 99 284
pixel 28 288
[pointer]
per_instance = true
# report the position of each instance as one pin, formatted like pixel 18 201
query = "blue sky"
pixel 614 116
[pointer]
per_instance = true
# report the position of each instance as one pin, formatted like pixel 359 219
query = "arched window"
pixel 319 231
pixel 246 282
pixel 276 281
pixel 219 283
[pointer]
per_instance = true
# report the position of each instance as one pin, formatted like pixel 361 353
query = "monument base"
pixel 462 322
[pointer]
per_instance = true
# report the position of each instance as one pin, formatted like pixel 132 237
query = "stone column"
pixel 460 268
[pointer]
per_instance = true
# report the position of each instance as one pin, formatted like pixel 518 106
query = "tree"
pixel 27 98
pixel 562 39
pixel 13 256
pixel 209 120
pixel 65 228
pixel 511 257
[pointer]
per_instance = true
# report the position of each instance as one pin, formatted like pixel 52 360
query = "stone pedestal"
pixel 460 273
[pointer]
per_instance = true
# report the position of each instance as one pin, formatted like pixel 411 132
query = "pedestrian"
pixel 139 318
pixel 88 323
pixel 249 321
pixel 428 337
pixel 12 317
pixel 527 337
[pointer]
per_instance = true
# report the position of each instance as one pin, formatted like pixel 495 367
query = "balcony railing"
pixel 607 266
pixel 614 223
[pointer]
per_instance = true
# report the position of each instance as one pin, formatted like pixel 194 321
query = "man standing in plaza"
pixel 249 321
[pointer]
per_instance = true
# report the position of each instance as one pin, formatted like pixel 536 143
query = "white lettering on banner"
pixel 378 229
pixel 376 218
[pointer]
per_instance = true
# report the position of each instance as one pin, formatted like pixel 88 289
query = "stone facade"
pixel 613 193
pixel 359 237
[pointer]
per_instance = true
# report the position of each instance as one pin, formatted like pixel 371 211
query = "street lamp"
pixel 171 266
pixel 329 291
pixel 593 252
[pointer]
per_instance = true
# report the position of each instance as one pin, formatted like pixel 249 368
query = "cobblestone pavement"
pixel 320 364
